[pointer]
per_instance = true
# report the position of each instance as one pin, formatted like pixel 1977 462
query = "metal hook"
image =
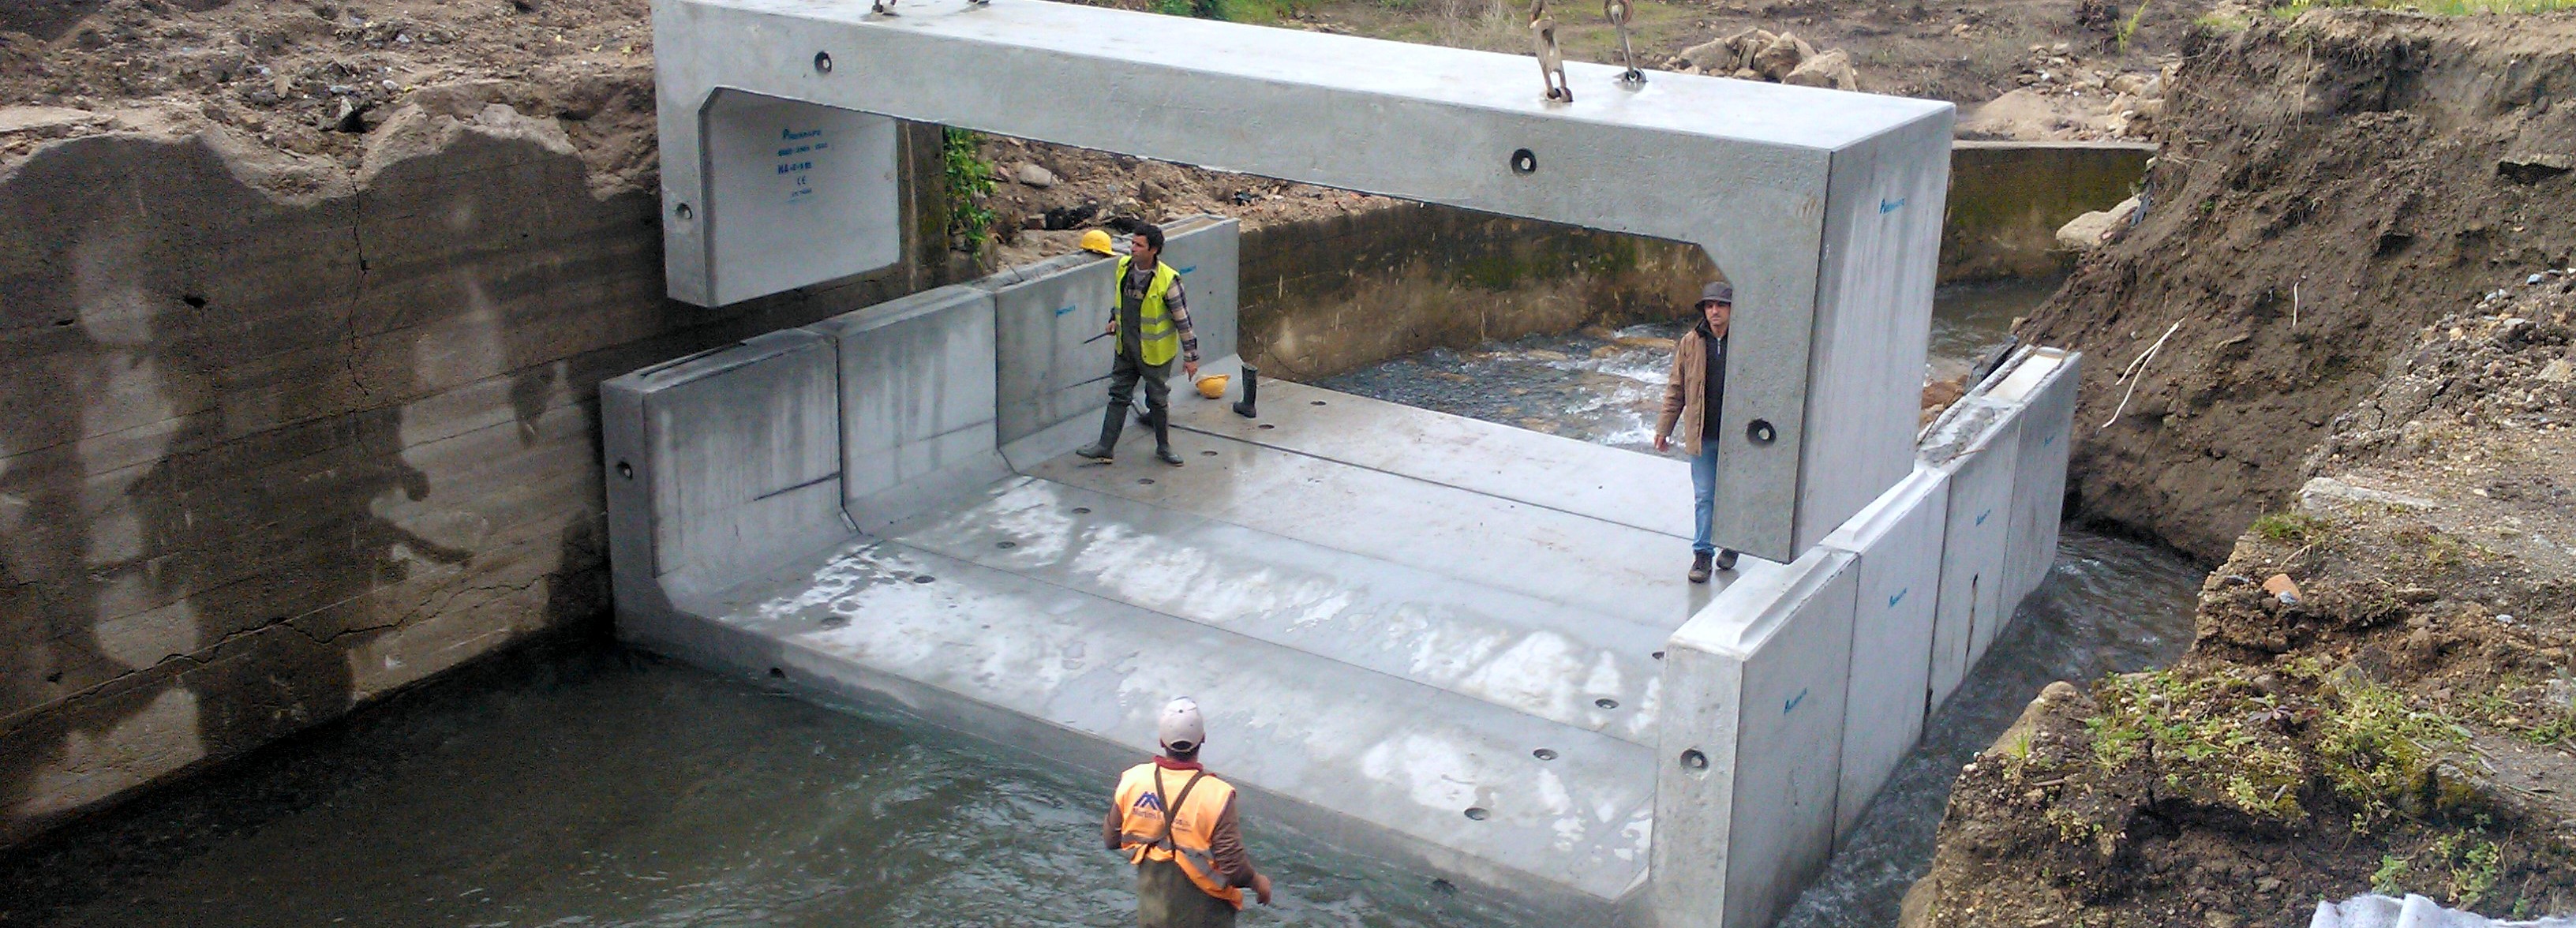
pixel 1551 62
pixel 1619 12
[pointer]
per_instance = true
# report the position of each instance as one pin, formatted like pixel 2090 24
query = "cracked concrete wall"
pixel 278 437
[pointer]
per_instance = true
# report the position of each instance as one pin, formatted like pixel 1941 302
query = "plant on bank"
pixel 970 180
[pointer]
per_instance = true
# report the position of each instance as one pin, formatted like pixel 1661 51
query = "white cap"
pixel 1181 729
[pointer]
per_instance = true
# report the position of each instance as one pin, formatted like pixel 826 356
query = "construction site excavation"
pixel 1317 462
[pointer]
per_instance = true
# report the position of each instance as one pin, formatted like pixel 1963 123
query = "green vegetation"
pixel 2130 27
pixel 2197 740
pixel 970 178
pixel 1233 11
pixel 2376 750
pixel 2390 879
pixel 2292 9
pixel 2291 528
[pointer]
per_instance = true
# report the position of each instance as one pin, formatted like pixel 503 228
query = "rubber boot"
pixel 1105 449
pixel 1163 437
pixel 1251 389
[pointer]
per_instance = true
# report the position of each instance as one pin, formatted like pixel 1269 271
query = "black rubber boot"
pixel 1251 392
pixel 1163 437
pixel 1725 560
pixel 1105 449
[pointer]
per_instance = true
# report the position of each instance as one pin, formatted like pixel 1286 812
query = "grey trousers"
pixel 1165 898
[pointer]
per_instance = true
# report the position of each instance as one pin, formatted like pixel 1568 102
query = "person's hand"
pixel 1261 888
pixel 1190 369
pixel 1111 327
pixel 1663 443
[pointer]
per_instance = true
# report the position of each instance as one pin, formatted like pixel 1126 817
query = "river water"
pixel 588 786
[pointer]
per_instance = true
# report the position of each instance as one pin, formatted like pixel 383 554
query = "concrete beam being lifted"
pixel 1824 208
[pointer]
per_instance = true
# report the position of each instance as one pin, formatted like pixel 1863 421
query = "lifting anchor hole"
pixel 1524 162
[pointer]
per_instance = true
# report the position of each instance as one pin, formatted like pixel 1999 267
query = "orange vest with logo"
pixel 1197 799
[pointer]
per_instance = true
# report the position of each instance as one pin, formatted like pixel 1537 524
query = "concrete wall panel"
pixel 803 194
pixel 1751 743
pixel 2043 382
pixel 916 402
pixel 1048 366
pixel 739 453
pixel 1898 545
pixel 1974 444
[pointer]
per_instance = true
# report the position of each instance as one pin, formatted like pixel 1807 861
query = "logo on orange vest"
pixel 1148 801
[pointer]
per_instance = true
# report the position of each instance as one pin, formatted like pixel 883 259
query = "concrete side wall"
pixel 1873 320
pixel 1976 537
pixel 2007 200
pixel 276 439
pixel 1897 543
pixel 2044 383
pixel 916 402
pixel 1751 743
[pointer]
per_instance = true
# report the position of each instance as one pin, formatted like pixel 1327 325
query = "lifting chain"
pixel 1551 62
pixel 1618 12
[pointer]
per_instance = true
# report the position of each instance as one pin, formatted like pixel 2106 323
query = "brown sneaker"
pixel 1726 560
pixel 1699 566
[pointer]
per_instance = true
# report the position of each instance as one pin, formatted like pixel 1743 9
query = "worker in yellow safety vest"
pixel 1152 325
pixel 1177 824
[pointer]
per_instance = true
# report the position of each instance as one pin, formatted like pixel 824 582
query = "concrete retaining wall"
pixel 1897 544
pixel 276 439
pixel 2007 200
pixel 917 419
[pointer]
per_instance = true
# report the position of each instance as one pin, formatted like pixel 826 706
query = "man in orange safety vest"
pixel 1176 823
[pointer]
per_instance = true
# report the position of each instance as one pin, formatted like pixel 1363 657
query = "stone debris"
pixel 2091 230
pixel 1762 55
pixel 2370 910
pixel 2060 97
pixel 2323 494
pixel 1034 175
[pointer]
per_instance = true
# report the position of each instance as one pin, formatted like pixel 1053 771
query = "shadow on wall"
pixel 275 440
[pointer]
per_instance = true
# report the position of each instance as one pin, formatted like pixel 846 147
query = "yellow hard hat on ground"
pixel 1096 242
pixel 1212 386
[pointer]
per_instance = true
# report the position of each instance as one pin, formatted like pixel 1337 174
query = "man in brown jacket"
pixel 1693 394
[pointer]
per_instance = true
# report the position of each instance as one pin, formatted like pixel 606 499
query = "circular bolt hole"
pixel 1148 481
pixel 1444 887
pixel 683 211
pixel 1543 754
pixel 1207 454
pixel 834 621
pixel 625 470
pixel 1316 403
pixel 1761 432
pixel 1606 702
pixel 1082 510
pixel 1524 162
pixel 925 578
pixel 1659 655
pixel 1006 545
pixel 822 62
pixel 1694 760
pixel 1478 813
pixel 776 673
pixel 1266 425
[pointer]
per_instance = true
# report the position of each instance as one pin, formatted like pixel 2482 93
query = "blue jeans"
pixel 1703 496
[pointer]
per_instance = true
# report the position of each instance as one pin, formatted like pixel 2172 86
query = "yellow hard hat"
pixel 1212 386
pixel 1096 242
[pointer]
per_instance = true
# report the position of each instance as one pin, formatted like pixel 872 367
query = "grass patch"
pixel 2196 738
pixel 2377 752
pixel 2291 528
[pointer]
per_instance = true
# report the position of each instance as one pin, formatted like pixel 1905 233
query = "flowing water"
pixel 592 787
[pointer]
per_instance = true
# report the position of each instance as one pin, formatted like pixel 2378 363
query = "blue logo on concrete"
pixel 1899 597
pixel 2050 440
pixel 1886 206
pixel 1189 269
pixel 1793 702
pixel 1063 310
pixel 1981 517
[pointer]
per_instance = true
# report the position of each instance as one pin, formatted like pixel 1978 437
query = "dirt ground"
pixel 2404 721
pixel 2327 186
pixel 312 78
